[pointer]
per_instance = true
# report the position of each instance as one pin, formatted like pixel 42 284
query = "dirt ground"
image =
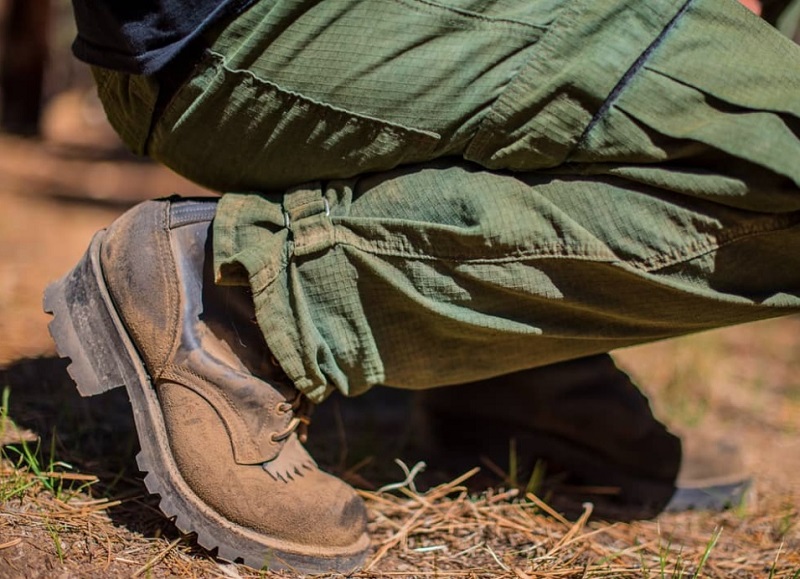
pixel 85 513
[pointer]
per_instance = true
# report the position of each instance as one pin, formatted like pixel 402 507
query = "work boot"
pixel 220 427
pixel 592 430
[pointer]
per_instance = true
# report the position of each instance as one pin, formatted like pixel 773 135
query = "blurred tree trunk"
pixel 24 54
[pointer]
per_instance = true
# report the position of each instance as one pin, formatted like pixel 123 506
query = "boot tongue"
pixel 223 356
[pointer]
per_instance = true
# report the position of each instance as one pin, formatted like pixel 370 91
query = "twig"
pixel 69 476
pixel 509 494
pixel 410 476
pixel 157 559
pixel 11 543
pixel 547 509
pixel 576 528
pixel 497 559
pixel 445 489
pixel 396 538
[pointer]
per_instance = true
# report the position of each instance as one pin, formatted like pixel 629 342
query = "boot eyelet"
pixel 282 408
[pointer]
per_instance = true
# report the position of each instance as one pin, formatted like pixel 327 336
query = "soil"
pixel 741 383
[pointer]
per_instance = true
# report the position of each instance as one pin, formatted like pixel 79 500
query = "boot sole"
pixel 88 331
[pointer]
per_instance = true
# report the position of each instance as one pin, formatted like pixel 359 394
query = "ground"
pixel 72 503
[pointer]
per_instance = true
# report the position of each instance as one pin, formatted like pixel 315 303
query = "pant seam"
pixel 421 137
pixel 728 237
pixel 550 251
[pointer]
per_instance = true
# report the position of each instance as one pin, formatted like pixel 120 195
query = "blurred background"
pixel 63 172
pixel 35 34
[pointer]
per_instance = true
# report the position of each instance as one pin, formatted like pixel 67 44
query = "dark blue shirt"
pixel 141 36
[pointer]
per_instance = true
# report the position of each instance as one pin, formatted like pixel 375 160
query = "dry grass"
pixel 442 533
pixel 94 520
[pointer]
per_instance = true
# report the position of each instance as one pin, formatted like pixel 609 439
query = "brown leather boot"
pixel 220 431
pixel 591 425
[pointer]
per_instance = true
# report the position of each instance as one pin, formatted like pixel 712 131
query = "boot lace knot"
pixel 301 407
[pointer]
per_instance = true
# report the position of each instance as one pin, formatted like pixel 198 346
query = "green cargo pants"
pixel 429 192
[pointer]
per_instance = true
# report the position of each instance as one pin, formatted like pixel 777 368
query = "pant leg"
pixel 301 90
pixel 673 209
pixel 446 273
pixel 297 90
pixel 635 225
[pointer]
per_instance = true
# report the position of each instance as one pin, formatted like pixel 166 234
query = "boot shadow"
pixel 93 436
pixel 362 439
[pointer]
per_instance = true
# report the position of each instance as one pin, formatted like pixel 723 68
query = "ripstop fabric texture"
pixel 422 193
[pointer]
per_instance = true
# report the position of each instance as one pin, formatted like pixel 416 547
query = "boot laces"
pixel 301 407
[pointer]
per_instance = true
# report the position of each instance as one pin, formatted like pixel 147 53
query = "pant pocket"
pixel 233 131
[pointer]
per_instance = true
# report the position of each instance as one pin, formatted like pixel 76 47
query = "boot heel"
pixel 86 329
